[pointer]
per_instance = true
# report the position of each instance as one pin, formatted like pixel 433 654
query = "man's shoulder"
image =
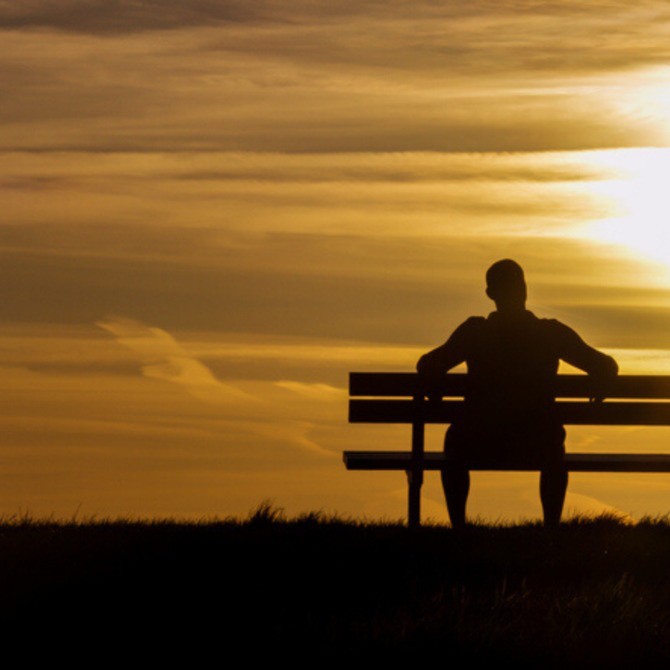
pixel 468 330
pixel 551 324
pixel 558 331
pixel 554 324
pixel 473 323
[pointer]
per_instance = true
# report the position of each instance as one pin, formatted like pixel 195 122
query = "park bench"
pixel 632 400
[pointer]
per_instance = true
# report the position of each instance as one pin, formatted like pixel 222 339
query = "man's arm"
pixel 601 367
pixel 448 355
pixel 433 365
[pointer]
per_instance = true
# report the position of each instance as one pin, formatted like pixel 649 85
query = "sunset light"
pixel 641 202
pixel 213 212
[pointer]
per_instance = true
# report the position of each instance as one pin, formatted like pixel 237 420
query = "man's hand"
pixel 434 393
pixel 601 386
pixel 430 386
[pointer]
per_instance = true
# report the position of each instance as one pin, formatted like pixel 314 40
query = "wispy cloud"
pixel 578 504
pixel 263 415
pixel 125 16
pixel 506 34
pixel 163 358
pixel 318 76
pixel 313 391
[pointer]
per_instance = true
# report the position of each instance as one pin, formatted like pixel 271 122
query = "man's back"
pixel 512 360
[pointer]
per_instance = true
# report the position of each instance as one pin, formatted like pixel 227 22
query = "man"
pixel 512 359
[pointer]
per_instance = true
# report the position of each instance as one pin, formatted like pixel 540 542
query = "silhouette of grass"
pixel 594 592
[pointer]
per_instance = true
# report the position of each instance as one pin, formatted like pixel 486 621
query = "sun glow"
pixel 640 200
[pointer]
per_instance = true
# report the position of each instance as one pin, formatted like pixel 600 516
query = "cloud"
pixel 306 77
pixel 578 504
pixel 526 34
pixel 124 16
pixel 164 359
pixel 631 327
pixel 262 414
pixel 405 290
pixel 312 391
pixel 421 37
pixel 643 361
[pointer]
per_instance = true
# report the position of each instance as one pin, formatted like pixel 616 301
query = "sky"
pixel 213 211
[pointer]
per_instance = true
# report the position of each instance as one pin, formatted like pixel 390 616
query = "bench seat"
pixel 575 462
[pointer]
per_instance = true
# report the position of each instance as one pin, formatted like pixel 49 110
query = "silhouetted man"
pixel 512 359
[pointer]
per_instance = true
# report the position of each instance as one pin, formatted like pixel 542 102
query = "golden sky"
pixel 213 211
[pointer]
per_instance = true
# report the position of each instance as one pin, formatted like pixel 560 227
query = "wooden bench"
pixel 642 400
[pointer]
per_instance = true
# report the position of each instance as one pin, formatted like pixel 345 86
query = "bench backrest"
pixel 395 397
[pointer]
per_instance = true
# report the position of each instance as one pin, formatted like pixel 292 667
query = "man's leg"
pixel 455 476
pixel 456 484
pixel 553 485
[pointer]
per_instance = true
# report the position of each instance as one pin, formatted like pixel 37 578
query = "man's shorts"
pixel 535 446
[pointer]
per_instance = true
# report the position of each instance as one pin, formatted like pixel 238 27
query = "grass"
pixel 595 592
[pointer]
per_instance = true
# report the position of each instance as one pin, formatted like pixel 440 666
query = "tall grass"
pixel 595 592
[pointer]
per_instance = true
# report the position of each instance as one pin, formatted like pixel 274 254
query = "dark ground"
pixel 595 593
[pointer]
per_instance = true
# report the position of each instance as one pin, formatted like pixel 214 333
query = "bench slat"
pixel 568 412
pixel 398 384
pixel 575 462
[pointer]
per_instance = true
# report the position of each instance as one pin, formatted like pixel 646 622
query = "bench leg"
pixel 415 474
pixel 414 481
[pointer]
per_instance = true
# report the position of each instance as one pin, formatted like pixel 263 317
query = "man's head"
pixel 506 285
